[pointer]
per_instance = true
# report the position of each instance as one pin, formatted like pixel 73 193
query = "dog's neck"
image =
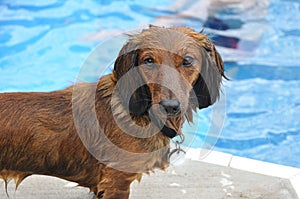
pixel 156 146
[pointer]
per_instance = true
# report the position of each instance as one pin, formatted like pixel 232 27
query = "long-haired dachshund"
pixel 104 135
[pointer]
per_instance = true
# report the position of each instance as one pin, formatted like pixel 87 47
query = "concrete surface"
pixel 202 175
pixel 198 180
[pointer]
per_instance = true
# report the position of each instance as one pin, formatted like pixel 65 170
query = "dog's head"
pixel 173 67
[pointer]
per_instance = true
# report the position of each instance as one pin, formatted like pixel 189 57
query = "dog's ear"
pixel 207 86
pixel 133 91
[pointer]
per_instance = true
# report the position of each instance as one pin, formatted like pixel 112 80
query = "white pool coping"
pixel 265 168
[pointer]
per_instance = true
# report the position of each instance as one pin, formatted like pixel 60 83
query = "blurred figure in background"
pixel 236 26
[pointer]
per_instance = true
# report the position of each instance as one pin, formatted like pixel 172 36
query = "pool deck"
pixel 217 176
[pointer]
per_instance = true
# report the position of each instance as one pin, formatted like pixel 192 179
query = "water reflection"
pixel 236 26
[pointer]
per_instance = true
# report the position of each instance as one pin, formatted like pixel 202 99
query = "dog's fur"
pixel 38 134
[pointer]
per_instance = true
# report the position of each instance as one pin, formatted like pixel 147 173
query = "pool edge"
pixel 245 164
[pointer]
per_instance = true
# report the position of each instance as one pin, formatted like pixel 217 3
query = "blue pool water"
pixel 44 43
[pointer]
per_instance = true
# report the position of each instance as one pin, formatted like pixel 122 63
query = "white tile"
pixel 192 154
pixel 265 168
pixel 213 157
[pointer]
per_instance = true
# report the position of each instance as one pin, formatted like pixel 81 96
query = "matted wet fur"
pixel 38 133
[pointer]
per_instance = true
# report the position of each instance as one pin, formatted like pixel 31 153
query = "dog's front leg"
pixel 115 184
pixel 113 193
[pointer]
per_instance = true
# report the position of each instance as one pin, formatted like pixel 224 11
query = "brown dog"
pixel 105 135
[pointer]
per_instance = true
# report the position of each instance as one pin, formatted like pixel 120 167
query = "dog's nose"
pixel 172 107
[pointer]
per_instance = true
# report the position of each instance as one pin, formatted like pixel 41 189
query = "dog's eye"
pixel 149 61
pixel 187 61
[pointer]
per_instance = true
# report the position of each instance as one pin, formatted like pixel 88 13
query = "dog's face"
pixel 175 68
pixel 169 77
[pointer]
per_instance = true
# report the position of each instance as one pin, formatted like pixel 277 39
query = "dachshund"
pixel 106 134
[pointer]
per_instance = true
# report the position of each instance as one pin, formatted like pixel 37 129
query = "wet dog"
pixel 104 135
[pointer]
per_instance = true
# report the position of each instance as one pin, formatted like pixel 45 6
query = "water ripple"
pixel 34 7
pixel 10 50
pixel 50 21
pixel 245 115
pixel 271 138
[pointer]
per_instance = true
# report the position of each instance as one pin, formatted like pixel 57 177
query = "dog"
pixel 106 134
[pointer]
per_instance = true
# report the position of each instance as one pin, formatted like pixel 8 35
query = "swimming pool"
pixel 43 44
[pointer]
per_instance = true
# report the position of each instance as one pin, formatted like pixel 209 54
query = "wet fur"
pixel 38 134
